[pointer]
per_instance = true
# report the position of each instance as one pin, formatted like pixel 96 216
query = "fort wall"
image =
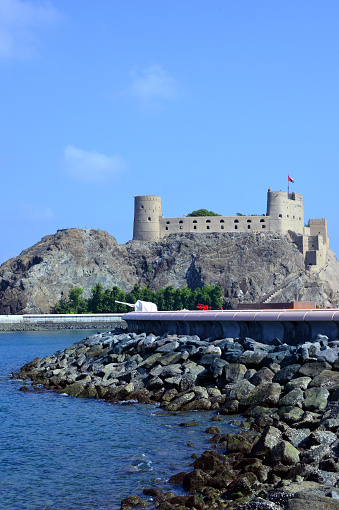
pixel 285 214
pixel 206 224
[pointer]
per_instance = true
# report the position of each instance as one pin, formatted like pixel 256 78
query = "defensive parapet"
pixel 147 213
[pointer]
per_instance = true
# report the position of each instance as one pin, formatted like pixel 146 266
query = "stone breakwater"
pixel 286 453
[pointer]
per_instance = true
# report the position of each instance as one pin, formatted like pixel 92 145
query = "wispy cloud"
pixel 19 23
pixel 91 167
pixel 37 212
pixel 151 86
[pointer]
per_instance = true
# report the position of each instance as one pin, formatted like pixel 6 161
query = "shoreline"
pixel 285 458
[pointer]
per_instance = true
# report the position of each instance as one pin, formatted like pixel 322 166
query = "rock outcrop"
pixel 247 266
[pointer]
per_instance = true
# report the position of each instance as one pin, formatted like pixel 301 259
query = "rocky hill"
pixel 249 267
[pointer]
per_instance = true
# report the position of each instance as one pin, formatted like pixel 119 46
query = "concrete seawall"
pixel 61 321
pixel 290 326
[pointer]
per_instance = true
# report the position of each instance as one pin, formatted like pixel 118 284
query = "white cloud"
pixel 19 22
pixel 37 213
pixel 91 167
pixel 151 85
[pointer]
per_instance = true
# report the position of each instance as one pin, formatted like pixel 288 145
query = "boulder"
pixel 293 398
pixel 284 452
pixel 234 372
pixel 316 399
pixel 286 374
pixel 270 438
pixel 264 375
pixel 265 394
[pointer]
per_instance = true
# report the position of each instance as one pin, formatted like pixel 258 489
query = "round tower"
pixel 147 214
pixel 286 211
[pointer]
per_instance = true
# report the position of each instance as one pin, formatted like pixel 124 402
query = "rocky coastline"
pixel 285 455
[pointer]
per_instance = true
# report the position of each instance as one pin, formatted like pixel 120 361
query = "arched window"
pixel 262 221
pixel 236 221
pixel 195 221
pixel 222 221
pixel 168 222
pixel 249 221
pixel 149 218
pixel 181 221
pixel 208 221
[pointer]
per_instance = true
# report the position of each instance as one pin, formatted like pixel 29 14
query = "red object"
pixel 203 307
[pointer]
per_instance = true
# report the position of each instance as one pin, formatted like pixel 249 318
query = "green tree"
pixel 62 306
pixel 160 299
pixel 186 296
pixel 169 296
pixel 95 302
pixel 118 295
pixel 77 302
pixel 216 295
pixel 203 212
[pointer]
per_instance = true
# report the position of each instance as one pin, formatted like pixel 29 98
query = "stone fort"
pixel 285 214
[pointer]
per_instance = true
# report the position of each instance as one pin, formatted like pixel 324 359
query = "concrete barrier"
pixel 60 321
pixel 290 326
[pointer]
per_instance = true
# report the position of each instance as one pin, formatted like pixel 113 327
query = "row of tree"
pixel 104 301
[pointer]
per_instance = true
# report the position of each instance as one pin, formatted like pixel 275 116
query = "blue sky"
pixel 205 103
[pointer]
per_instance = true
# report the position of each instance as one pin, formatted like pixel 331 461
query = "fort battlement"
pixel 285 213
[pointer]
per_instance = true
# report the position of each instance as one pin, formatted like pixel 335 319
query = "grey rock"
pixel 293 398
pixel 284 452
pixel 234 372
pixel 316 399
pixel 299 382
pixel 286 374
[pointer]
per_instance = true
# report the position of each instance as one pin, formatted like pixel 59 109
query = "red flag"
pixel 290 178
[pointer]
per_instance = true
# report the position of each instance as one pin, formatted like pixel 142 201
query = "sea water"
pixel 63 453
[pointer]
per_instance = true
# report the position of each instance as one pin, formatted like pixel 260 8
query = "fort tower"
pixel 286 211
pixel 147 213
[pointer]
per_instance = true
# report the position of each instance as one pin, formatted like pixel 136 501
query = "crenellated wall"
pixel 285 213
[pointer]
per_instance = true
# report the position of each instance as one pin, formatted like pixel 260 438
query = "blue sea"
pixel 62 453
